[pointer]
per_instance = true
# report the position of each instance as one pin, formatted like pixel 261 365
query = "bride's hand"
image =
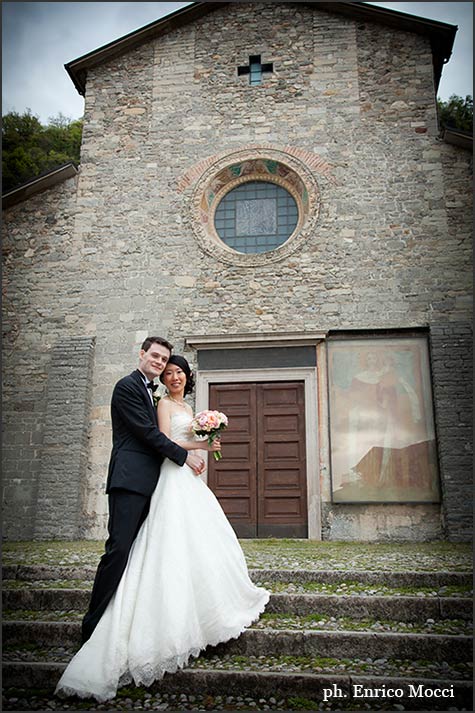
pixel 215 446
pixel 196 463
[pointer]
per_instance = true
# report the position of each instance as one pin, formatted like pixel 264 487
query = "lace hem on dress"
pixel 147 674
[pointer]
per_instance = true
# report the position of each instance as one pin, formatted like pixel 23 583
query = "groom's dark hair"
pixel 156 340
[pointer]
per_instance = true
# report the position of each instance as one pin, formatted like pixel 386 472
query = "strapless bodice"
pixel 180 423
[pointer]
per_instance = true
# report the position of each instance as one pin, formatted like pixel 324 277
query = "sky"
pixel 39 38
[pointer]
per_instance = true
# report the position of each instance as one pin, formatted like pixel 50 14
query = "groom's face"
pixel 153 361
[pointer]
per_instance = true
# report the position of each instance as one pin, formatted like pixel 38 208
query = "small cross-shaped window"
pixel 255 69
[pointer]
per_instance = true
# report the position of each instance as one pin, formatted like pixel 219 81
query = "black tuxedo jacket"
pixel 139 447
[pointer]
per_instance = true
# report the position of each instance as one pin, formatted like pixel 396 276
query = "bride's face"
pixel 174 379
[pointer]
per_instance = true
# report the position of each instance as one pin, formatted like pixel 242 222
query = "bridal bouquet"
pixel 209 423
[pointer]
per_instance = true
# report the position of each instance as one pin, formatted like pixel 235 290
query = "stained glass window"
pixel 255 69
pixel 256 217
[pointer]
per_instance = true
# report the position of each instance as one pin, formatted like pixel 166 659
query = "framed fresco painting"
pixel 382 435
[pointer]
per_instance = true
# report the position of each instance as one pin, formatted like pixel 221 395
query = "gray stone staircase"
pixel 347 633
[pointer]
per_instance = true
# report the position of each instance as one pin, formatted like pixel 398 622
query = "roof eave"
pixel 38 184
pixel 78 68
pixel 462 139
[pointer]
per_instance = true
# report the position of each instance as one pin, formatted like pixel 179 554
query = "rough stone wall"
pixel 385 252
pixel 452 369
pixel 382 522
pixel 41 284
pixel 64 454
pixel 452 351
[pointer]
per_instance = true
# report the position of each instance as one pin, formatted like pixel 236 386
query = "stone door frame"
pixel 309 376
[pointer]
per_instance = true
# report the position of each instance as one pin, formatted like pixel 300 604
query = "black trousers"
pixel 127 512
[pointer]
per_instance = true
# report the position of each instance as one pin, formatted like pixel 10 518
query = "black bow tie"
pixel 151 385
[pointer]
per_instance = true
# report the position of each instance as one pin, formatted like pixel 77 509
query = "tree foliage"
pixel 456 113
pixel 31 149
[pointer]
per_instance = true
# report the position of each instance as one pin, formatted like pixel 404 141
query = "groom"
pixel 138 450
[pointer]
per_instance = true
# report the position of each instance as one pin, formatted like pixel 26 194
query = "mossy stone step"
pixel 253 641
pixel 414 693
pixel 286 620
pixel 342 588
pixel 274 662
pixel 435 580
pixel 408 609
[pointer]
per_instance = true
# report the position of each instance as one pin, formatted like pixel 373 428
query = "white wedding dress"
pixel 186 586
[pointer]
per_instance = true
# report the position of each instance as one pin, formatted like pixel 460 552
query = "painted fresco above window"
pixel 382 434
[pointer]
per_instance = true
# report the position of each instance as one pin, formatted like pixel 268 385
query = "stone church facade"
pixel 265 185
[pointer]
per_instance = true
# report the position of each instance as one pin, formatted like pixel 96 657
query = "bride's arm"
pixel 164 411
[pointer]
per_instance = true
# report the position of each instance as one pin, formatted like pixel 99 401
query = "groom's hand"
pixel 196 463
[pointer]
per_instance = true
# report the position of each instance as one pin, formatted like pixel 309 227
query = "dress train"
pixel 186 586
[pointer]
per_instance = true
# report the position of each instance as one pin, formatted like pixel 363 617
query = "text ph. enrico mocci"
pixel 358 690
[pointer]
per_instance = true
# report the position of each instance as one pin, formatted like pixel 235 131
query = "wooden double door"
pixel 261 480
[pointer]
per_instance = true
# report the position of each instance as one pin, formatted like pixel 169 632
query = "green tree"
pixel 30 149
pixel 456 113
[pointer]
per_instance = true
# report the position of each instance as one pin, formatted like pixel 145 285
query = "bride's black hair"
pixel 185 367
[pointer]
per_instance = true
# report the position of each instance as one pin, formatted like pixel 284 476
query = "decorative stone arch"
pixel 312 160
pixel 246 165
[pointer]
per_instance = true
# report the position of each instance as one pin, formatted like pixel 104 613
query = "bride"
pixel 186 584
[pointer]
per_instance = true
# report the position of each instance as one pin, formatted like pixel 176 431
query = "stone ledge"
pixel 195 681
pixel 264 642
pixel 435 579
pixel 407 609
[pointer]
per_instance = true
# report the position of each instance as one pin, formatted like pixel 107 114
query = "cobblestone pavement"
pixel 278 554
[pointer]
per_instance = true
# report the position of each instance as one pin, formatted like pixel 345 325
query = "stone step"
pixel 287 620
pixel 396 608
pixel 407 609
pixel 433 580
pixel 434 647
pixel 415 693
pixel 323 622
pixel 383 666
pixel 343 588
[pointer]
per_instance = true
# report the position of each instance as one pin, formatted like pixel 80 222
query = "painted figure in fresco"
pixel 385 449
pixel 384 407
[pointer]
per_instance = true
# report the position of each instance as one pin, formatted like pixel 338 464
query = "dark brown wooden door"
pixel 261 480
